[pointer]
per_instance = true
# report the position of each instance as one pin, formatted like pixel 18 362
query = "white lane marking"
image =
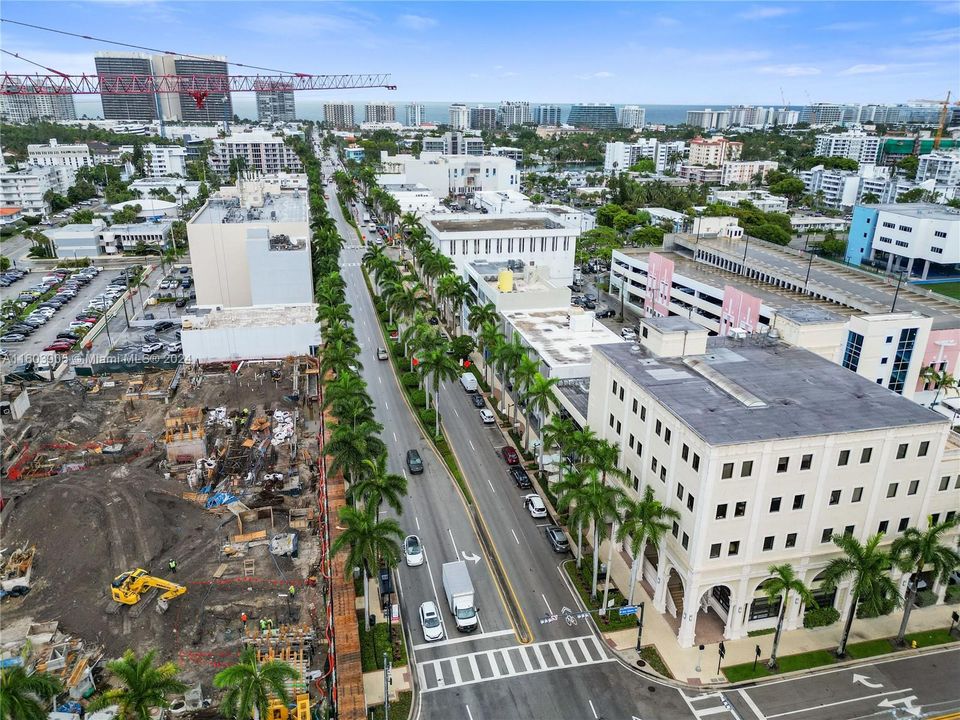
pixel 712 711
pixel 593 710
pixel 515 537
pixel 472 447
pixel 752 705
pixel 436 596
pixel 508 661
pixel 491 486
pixel 379 379
pixel 386 404
pixel 417 520
pixel 455 668
pixel 395 438
pixel 465 639
pixel 549 610
pixel 456 412
pixel 839 702
pixel 456 553
pixel 469 714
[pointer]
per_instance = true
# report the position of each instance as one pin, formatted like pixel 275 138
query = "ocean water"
pixel 310 107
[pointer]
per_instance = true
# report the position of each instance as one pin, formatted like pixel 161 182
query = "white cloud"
pixel 666 21
pixel 789 70
pixel 850 26
pixel 416 22
pixel 280 24
pixel 765 12
pixel 864 69
pixel 594 76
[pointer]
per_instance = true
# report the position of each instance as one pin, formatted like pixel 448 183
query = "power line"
pixel 137 47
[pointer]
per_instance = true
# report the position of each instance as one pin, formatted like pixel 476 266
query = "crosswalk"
pixel 485 666
pixel 710 705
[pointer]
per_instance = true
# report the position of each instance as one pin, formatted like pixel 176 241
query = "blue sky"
pixel 644 52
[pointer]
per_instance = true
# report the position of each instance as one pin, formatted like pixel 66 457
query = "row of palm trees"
pixel 141 686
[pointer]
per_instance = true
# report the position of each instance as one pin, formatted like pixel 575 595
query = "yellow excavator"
pixel 128 587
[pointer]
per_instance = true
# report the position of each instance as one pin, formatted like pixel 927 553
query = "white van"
pixel 469 382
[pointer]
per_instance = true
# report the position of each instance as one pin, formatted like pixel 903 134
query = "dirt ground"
pixel 119 513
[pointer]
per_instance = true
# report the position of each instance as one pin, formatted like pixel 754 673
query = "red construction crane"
pixel 199 87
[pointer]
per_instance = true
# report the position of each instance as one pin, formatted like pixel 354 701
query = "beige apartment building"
pixel 765 450
pixel 714 151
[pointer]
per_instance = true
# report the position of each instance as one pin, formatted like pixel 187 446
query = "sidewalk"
pixel 373 684
pixel 682 662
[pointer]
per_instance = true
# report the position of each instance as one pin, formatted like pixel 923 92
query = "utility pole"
pixel 896 292
pixel 809 266
pixel 386 687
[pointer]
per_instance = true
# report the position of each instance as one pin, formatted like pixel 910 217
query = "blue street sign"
pixel 628 610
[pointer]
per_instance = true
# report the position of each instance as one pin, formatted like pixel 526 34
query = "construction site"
pixel 174 511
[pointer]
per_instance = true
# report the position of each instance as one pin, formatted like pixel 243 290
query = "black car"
pixel 589 304
pixel 162 325
pixel 605 313
pixel 520 477
pixel 68 336
pixel 434 320
pixel 557 538
pixel 477 400
pixel 414 462
pixel 181 302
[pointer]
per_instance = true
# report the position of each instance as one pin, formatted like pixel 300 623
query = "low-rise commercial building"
pixel 761 199
pixel 118 238
pixel 746 172
pixel 27 187
pixel 77 240
pixel 53 153
pixel 447 175
pixel 855 145
pixel 413 198
pixel 172 185
pixel 160 160
pixel 261 152
pixel 266 332
pixel 510 285
pixel 941 167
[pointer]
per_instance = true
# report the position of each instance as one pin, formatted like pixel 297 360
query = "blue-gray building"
pixel 593 115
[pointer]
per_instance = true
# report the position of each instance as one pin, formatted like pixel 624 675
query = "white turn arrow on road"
pixel 470 556
pixel 865 681
pixel 907 703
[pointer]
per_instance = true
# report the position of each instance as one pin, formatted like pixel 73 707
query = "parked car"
pixel 414 462
pixel 412 551
pixel 605 313
pixel 151 348
pixel 628 334
pixel 68 336
pixel 181 302
pixel 174 348
pixel 184 270
pixel 487 417
pixel 478 401
pixel 535 506
pixel 13 338
pixel 557 538
pixel 381 353
pixel 510 455
pixel 430 621
pixel 59 346
pixel 520 477
pixel 162 325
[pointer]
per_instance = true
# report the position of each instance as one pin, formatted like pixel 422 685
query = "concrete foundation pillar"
pixel 910 267
pixel 889 262
pixel 926 269
pixel 660 589
pixel 688 621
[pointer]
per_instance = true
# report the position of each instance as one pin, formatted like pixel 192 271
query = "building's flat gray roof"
pixel 483 223
pixel 76 228
pixel 810 314
pixel 289 207
pixel 548 333
pixel 404 187
pixel 254 316
pixel 923 211
pixel 673 323
pixel 785 392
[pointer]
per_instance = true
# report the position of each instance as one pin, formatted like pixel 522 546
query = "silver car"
pixel 430 622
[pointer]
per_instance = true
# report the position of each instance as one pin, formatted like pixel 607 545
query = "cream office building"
pixel 765 450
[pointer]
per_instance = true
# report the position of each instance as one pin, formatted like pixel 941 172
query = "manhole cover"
pixel 641 663
pixel 651 688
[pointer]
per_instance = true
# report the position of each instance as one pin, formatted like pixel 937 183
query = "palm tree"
pixel 569 491
pixel 603 455
pixel 339 356
pixel 26 697
pixel 941 379
pixel 487 342
pixel 539 398
pixel 508 359
pixel 869 570
pixel 350 445
pixel 597 504
pixel 439 367
pixel 377 486
pixel 481 315
pixel 783 581
pixel 143 686
pixel 915 550
pixel 582 443
pixel 557 433
pixel 347 385
pixel 644 520
pixel 370 541
pixel 250 685
pixel 524 372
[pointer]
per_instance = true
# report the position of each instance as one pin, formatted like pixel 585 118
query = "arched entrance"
pixel 675 594
pixel 824 597
pixel 764 611
pixel 651 564
pixel 712 615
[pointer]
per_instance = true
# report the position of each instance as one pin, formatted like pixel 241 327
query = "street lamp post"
pixel 809 266
pixel 896 293
pixel 743 263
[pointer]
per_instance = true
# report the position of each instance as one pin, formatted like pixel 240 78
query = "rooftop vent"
pixel 721 381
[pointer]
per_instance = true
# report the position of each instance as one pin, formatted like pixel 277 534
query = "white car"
pixel 534 505
pixel 628 334
pixel 174 347
pixel 151 348
pixel 412 551
pixel 430 622
pixel 487 417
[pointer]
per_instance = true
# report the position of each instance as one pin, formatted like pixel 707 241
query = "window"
pixel 944 483
pixel 727 472
pixel 685 452
pixel 680 491
pixel 619 427
pixel 826 535
pixel 658 427
pixel 901 361
pixel 621 394
pixel 654 464
pixel 901 451
pixel 903 524
pixel 690 502
pixel 676 529
pixel 851 354
pixel 611 419
pixel 734 548
pixel 912 487
pixel 615 387
pixel 643 413
pixel 630 441
pixel 696 463
pixel 798 502
pixel 835 497
pixel 715 550
pixel 857 494
pixel 806 461
pixel 848 530
pixel 768 543
pixel 924 447
pixel 892 490
pixel 791 540
pixel 844 458
pixel 721 511
pixel 775 504
pixel 666 435
pixel 939 233
pixel 882 527
pixel 937 250
pixel 746 470
pixel 782 464
pixel 685 541
pixel 865 455
pixel 740 509
pixel 639 449
pixel 635 405
pixel 663 473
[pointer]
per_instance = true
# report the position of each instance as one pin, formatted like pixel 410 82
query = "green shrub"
pixel 429 418
pixel 953 594
pixel 410 379
pixel 418 398
pixel 820 617
pixel 864 611
pixel 925 598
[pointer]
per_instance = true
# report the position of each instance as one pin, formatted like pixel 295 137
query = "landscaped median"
pixel 582 579
pixel 376 641
pixel 822 658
